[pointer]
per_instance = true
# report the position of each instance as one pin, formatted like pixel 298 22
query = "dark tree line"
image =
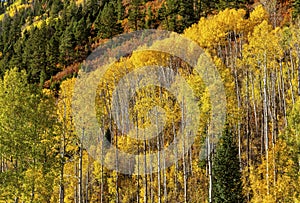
pixel 49 35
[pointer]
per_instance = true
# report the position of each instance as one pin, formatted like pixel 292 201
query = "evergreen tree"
pixel 187 13
pixel 120 9
pixel 168 14
pixel 56 6
pixel 227 183
pixel 67 45
pixel 150 20
pixel 93 7
pixel 15 29
pixel 34 56
pixel 136 16
pixel 52 53
pixel 16 60
pixel 72 12
pixel 80 31
pixel 107 22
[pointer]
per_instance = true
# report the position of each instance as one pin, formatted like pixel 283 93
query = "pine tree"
pixel 67 45
pixel 120 9
pixel 34 56
pixel 107 22
pixel 149 21
pixel 80 31
pixel 56 6
pixel 93 7
pixel 168 14
pixel 227 184
pixel 187 13
pixel 136 15
pixel 16 60
pixel 52 53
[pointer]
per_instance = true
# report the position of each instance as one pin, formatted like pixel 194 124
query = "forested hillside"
pixel 254 45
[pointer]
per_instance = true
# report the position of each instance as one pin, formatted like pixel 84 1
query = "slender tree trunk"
pixel 138 162
pixel 176 162
pixel 298 53
pixel 151 175
pixel 291 85
pixel 145 171
pixel 254 105
pixel 265 111
pixel 283 94
pixel 191 162
pixel 248 133
pixel 116 143
pixel 239 122
pixel 76 187
pixel 87 182
pixel 274 126
pixel 164 174
pixel 158 162
pixel 117 163
pixel 102 168
pixel 80 184
pixel 183 150
pixel 237 89
pixel 61 183
pixel 62 161
pixel 209 159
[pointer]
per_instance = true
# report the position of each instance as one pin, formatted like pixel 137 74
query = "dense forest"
pixel 255 47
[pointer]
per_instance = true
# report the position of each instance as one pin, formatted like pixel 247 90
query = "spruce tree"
pixel 120 9
pixel 52 53
pixel 107 22
pixel 187 13
pixel 168 14
pixel 136 15
pixel 93 7
pixel 16 60
pixel 56 6
pixel 67 45
pixel 227 183
pixel 80 31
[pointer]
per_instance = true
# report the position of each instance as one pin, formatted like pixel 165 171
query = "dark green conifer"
pixel 227 183
pixel 107 22
pixel 136 18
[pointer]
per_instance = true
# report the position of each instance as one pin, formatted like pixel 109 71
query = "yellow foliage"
pixel 14 8
pixel 265 43
pixel 212 31
pixel 282 184
pixel 38 22
pixel 257 16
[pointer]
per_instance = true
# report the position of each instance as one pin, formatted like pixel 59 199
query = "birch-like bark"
pixel 209 159
pixel 183 150
pixel 80 184
pixel 158 161
pixel 265 113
